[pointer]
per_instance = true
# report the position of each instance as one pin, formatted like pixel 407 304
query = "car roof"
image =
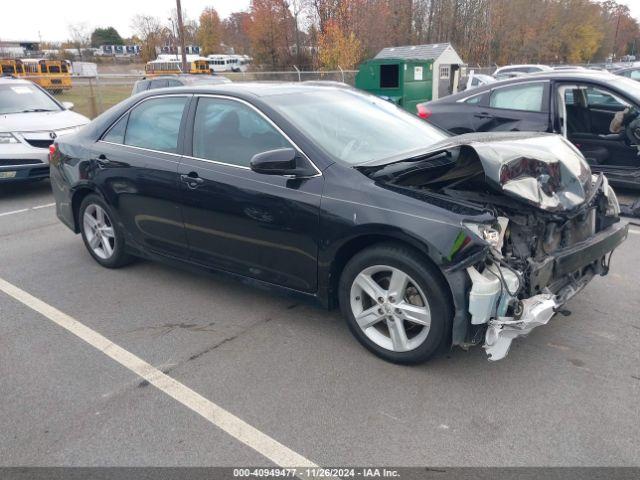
pixel 626 69
pixel 558 75
pixel 537 65
pixel 252 89
pixel 186 78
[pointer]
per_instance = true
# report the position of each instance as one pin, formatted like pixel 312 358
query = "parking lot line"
pixel 218 416
pixel 22 210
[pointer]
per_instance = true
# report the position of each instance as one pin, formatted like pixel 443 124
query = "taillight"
pixel 52 150
pixel 423 112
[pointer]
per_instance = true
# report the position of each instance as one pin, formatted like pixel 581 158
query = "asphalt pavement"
pixel 567 395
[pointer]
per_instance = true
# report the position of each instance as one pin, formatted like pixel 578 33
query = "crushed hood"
pixel 545 170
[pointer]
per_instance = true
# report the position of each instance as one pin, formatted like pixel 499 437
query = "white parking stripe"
pixel 218 416
pixel 635 232
pixel 22 210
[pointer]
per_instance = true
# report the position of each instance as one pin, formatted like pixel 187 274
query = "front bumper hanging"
pixel 567 271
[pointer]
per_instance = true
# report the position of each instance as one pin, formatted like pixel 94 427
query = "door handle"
pixel 482 115
pixel 192 180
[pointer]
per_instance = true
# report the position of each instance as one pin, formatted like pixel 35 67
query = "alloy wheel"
pixel 390 308
pixel 98 231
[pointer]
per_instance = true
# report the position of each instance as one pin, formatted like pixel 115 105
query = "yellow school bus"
pixel 52 75
pixel 10 67
pixel 174 67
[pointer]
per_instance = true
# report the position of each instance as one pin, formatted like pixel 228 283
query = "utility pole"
pixel 183 51
pixel 615 38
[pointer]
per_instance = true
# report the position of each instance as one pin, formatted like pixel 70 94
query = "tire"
pixel 102 236
pixel 422 308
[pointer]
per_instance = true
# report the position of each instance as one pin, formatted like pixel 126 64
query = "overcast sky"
pixel 29 19
pixel 23 19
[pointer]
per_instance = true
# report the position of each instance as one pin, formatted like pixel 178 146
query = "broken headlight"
pixel 548 174
pixel 613 207
pixel 492 234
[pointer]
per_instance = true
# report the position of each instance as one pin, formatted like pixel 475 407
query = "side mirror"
pixel 275 162
pixel 68 105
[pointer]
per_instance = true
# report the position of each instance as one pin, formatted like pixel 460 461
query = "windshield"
pixel 354 127
pixel 22 97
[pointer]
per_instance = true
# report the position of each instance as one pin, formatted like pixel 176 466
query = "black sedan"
pixel 328 193
pixel 579 105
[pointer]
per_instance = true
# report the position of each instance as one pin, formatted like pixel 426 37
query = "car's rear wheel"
pixel 394 304
pixel 101 234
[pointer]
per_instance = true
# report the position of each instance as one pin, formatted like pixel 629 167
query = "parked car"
pixel 332 194
pixel 165 81
pixel 564 68
pixel 630 72
pixel 511 71
pixel 578 105
pixel 475 80
pixel 30 119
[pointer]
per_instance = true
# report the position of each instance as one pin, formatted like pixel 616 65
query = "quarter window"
pixel 228 131
pixel 155 123
pixel 520 97
pixel 474 100
pixel 116 133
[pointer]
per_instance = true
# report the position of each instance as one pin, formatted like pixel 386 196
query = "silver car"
pixel 30 120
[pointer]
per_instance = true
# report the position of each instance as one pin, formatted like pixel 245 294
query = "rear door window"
pixel 527 97
pixel 155 124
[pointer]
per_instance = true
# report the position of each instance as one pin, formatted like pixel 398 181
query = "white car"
pixel 30 120
pixel 475 80
pixel 511 71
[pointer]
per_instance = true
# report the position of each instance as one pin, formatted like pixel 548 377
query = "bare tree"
pixel 79 36
pixel 149 29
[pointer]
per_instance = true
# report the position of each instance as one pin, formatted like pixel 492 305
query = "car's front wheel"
pixel 394 303
pixel 101 235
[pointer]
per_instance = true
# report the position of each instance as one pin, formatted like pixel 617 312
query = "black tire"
pixel 429 281
pixel 119 257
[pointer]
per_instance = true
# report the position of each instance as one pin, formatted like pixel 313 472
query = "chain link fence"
pixel 92 95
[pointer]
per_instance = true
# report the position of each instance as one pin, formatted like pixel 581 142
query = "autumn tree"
pixel 235 32
pixel 271 32
pixel 484 32
pixel 210 31
pixel 337 48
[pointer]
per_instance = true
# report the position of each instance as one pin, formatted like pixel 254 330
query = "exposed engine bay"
pixel 554 225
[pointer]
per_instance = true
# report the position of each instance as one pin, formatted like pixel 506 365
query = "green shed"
pixel 411 74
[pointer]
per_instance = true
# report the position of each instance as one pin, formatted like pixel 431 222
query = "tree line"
pixel 341 33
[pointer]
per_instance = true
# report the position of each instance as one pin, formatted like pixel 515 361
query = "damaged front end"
pixel 554 227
